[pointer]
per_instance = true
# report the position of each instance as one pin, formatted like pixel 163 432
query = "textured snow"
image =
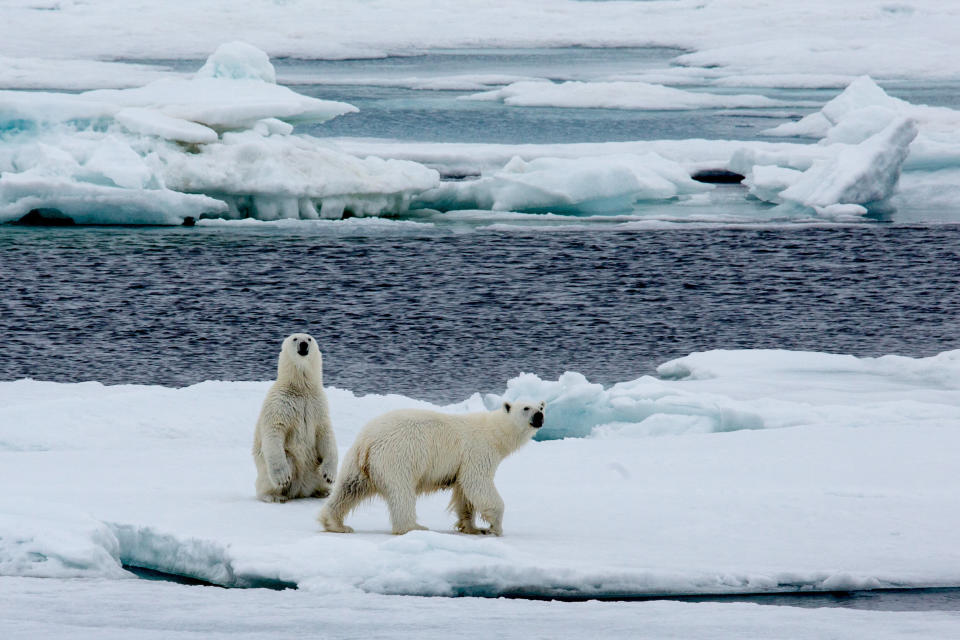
pixel 616 95
pixel 771 471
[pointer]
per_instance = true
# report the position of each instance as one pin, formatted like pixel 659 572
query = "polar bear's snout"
pixel 303 348
pixel 537 420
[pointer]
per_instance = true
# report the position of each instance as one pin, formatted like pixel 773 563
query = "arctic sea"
pixel 439 311
pixel 437 307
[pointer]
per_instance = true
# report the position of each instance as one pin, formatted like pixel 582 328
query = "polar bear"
pixel 293 446
pixel 404 453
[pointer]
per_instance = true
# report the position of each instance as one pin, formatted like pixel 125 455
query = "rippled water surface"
pixel 440 313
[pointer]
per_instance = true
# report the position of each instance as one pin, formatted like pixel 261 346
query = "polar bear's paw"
pixel 281 474
pixel 320 492
pixel 273 497
pixel 328 524
pixel 469 528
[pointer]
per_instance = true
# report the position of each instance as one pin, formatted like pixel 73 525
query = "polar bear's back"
pixel 427 445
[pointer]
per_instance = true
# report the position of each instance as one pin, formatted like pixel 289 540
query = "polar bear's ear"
pixel 506 407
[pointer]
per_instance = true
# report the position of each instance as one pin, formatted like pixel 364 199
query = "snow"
pixel 219 143
pixel 616 95
pixel 733 472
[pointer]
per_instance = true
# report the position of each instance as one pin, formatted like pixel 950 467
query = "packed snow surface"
pixel 731 472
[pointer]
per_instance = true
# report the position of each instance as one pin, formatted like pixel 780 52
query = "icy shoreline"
pixel 735 472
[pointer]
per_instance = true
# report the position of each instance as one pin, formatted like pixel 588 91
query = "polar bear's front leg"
pixel 486 499
pixel 464 510
pixel 279 471
pixel 327 462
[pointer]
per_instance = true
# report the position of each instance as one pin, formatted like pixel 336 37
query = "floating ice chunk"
pixel 767 181
pixel 276 177
pixel 19 107
pixel 133 167
pixel 860 174
pixel 153 123
pixel 224 104
pixel 608 184
pixel 238 61
pixel 616 95
pixel 88 203
pixel 862 110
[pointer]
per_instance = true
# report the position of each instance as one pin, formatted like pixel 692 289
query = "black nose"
pixel 537 420
pixel 303 348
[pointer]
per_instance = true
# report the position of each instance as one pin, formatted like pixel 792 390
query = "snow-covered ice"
pixel 219 144
pixel 588 186
pixel 733 472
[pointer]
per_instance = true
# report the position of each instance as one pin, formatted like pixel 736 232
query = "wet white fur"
pixel 294 446
pixel 405 453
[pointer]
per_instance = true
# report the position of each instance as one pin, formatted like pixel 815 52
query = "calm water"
pixel 439 314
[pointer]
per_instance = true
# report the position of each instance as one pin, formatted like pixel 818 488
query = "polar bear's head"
pixel 300 356
pixel 525 415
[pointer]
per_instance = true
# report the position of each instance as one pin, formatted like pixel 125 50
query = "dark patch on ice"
pixel 718 176
pixel 243 583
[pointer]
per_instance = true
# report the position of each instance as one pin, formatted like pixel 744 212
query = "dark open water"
pixel 439 315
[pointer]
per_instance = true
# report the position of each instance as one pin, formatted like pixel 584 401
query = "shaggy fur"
pixel 293 446
pixel 405 453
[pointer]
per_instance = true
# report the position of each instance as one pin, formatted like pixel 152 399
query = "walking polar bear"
pixel 293 445
pixel 405 453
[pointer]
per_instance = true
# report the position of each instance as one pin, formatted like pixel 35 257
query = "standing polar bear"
pixel 293 445
pixel 402 454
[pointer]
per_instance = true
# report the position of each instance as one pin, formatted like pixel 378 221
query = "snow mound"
pixel 616 95
pixel 218 143
pixel 588 186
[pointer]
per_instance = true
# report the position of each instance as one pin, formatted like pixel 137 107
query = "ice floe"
pixel 731 472
pixel 219 143
pixel 586 186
